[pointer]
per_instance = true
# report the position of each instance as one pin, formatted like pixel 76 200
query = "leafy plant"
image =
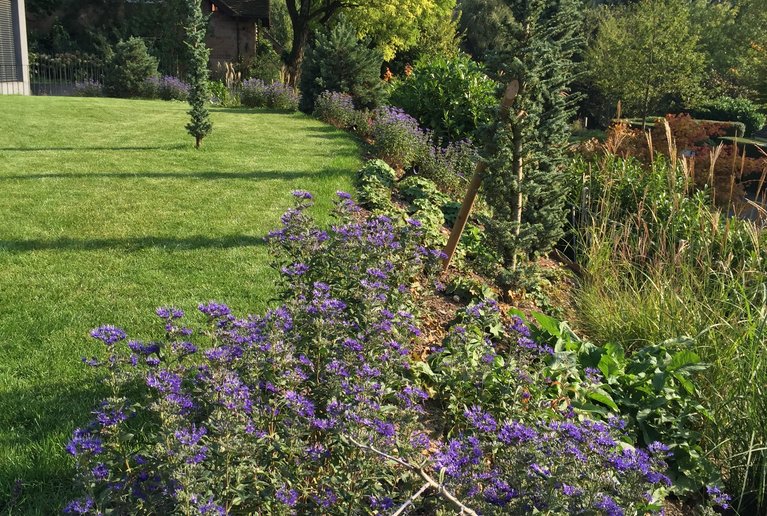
pixel 728 109
pixel 655 389
pixel 450 96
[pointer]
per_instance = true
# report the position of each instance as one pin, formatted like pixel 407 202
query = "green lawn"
pixel 106 212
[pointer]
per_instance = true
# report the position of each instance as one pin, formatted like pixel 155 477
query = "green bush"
pixel 128 69
pixel 267 64
pixel 728 109
pixel 340 62
pixel 374 183
pixel 451 96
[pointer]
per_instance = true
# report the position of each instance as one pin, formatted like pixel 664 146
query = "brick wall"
pixel 229 40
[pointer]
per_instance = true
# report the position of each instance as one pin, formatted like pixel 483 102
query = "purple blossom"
pixel 287 496
pixel 609 506
pixel 82 506
pixel 480 420
pixel 169 312
pixel 593 375
pixel 302 194
pixel 214 310
pixel 301 405
pixel 514 432
pixel 718 497
pixel 211 507
pixel 108 334
pixel 100 471
pixel 84 442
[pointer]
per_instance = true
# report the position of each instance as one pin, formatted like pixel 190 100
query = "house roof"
pixel 245 9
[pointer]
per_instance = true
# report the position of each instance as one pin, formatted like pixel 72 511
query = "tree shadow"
pixel 204 176
pixel 35 416
pixel 175 146
pixel 133 244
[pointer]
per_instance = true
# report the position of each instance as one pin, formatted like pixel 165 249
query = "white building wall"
pixel 19 88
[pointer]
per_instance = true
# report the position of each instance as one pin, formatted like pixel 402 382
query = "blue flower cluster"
pixel 293 411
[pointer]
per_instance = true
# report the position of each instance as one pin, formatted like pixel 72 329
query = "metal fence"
pixel 51 75
pixel 59 75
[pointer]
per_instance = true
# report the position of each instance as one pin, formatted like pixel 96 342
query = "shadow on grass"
pixel 175 146
pixel 327 132
pixel 35 419
pixel 133 244
pixel 204 176
pixel 255 111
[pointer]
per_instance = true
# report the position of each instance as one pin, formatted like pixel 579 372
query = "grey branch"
pixel 444 493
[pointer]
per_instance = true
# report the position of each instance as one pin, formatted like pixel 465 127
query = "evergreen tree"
pixel 200 125
pixel 341 62
pixel 523 183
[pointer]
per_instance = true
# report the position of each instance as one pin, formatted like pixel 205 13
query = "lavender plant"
pixel 88 88
pixel 449 166
pixel 337 109
pixel 166 87
pixel 275 95
pixel 398 139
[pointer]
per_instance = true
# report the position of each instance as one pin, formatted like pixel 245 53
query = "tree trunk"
pixel 197 141
pixel 296 55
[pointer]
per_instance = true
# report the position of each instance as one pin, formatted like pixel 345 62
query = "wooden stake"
pixel 476 181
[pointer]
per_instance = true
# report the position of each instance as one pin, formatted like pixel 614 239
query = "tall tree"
pixel 392 25
pixel 646 55
pixel 523 184
pixel 200 124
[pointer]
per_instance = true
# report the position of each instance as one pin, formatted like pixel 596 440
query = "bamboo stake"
pixel 476 181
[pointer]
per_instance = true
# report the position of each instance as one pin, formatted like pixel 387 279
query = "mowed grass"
pixel 106 212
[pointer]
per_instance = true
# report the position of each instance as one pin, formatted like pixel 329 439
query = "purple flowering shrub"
pixel 259 413
pixel 337 109
pixel 512 445
pixel 257 93
pixel 397 137
pixel 316 407
pixel 88 88
pixel 166 87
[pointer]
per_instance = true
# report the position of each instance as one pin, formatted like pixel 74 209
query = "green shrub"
pixel 223 96
pixel 128 69
pixel 450 96
pixel 340 62
pixel 728 109
pixel 267 64
pixel 374 183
